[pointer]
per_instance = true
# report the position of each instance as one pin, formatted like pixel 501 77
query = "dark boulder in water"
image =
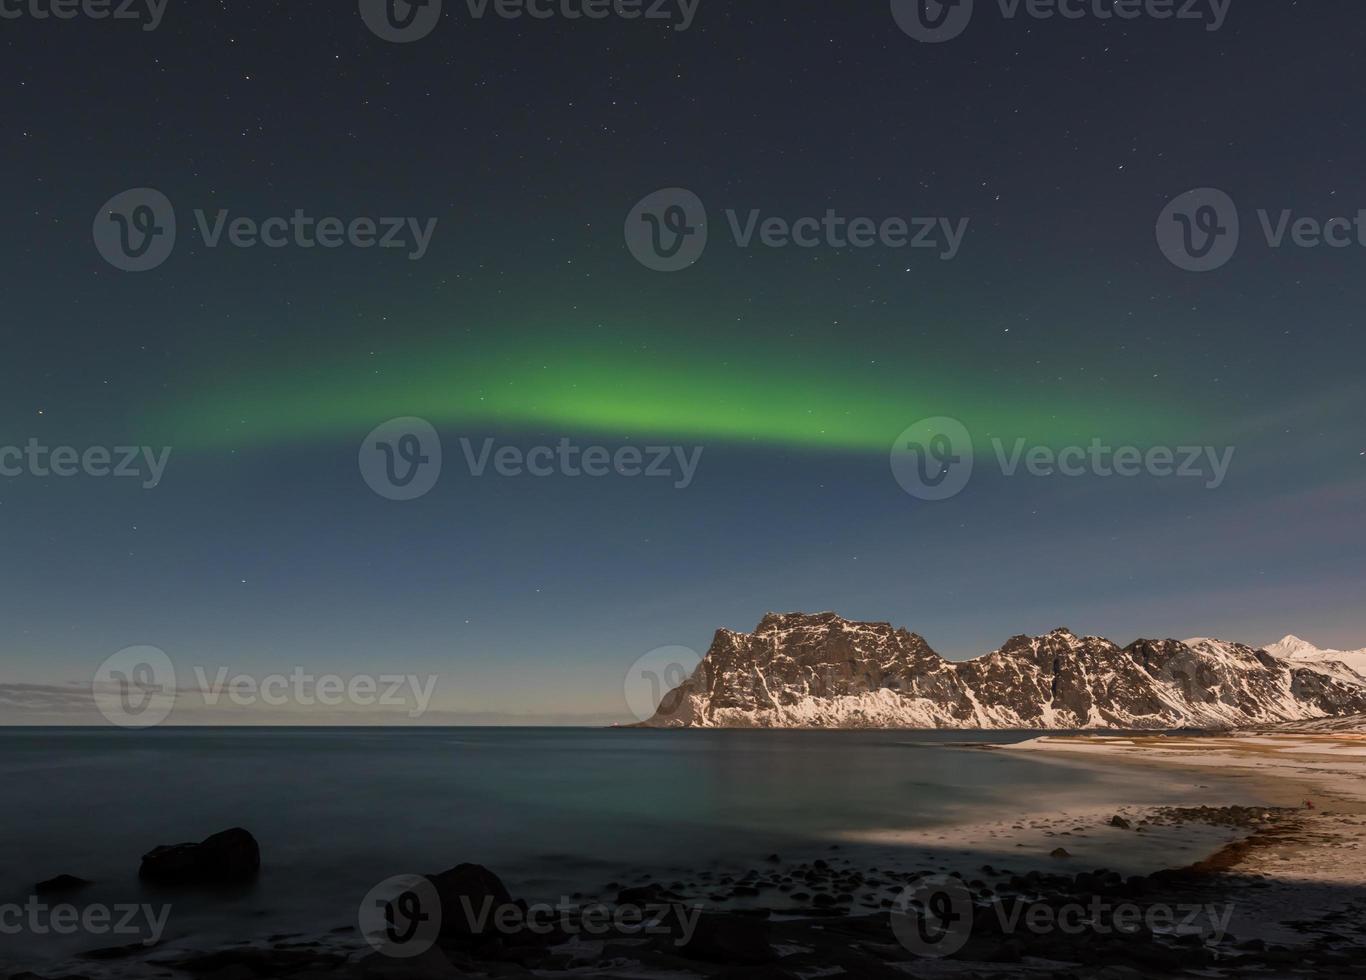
pixel 650 894
pixel 60 885
pixel 730 939
pixel 471 896
pixel 225 858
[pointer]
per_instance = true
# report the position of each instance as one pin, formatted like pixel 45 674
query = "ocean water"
pixel 552 811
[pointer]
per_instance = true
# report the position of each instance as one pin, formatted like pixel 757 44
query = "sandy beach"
pixel 1308 869
pixel 1322 777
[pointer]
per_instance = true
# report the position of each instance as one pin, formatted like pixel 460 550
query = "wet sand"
pixel 1311 871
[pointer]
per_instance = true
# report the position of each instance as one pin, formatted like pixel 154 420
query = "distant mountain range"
pixel 801 670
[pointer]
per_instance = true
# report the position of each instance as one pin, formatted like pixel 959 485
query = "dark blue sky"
pixel 1060 320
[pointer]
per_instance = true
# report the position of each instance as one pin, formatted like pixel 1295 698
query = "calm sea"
pixel 553 811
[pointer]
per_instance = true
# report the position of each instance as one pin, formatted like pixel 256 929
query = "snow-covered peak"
pixel 1194 640
pixel 1291 647
pixel 1235 656
pixel 1294 650
pixel 819 670
pixel 1209 643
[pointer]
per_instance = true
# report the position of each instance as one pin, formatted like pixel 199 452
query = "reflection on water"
pixel 553 811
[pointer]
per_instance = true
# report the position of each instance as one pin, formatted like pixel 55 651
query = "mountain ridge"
pixel 820 670
pixel 1344 663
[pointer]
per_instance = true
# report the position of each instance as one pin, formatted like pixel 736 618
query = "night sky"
pixel 528 321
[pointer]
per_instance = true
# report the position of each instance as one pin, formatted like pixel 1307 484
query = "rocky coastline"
pixel 782 919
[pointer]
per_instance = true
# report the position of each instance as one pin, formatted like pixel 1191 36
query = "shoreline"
pixel 1327 770
pixel 1285 881
pixel 1084 826
pixel 1311 869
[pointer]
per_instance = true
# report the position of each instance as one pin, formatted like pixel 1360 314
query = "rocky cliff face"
pixel 822 671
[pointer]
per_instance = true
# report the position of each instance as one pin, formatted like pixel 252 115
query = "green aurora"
pixel 796 396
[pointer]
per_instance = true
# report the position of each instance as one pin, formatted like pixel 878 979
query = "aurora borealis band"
pixel 760 394
pixel 528 321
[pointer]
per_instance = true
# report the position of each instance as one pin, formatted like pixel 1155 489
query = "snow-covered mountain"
pixel 802 670
pixel 1296 651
